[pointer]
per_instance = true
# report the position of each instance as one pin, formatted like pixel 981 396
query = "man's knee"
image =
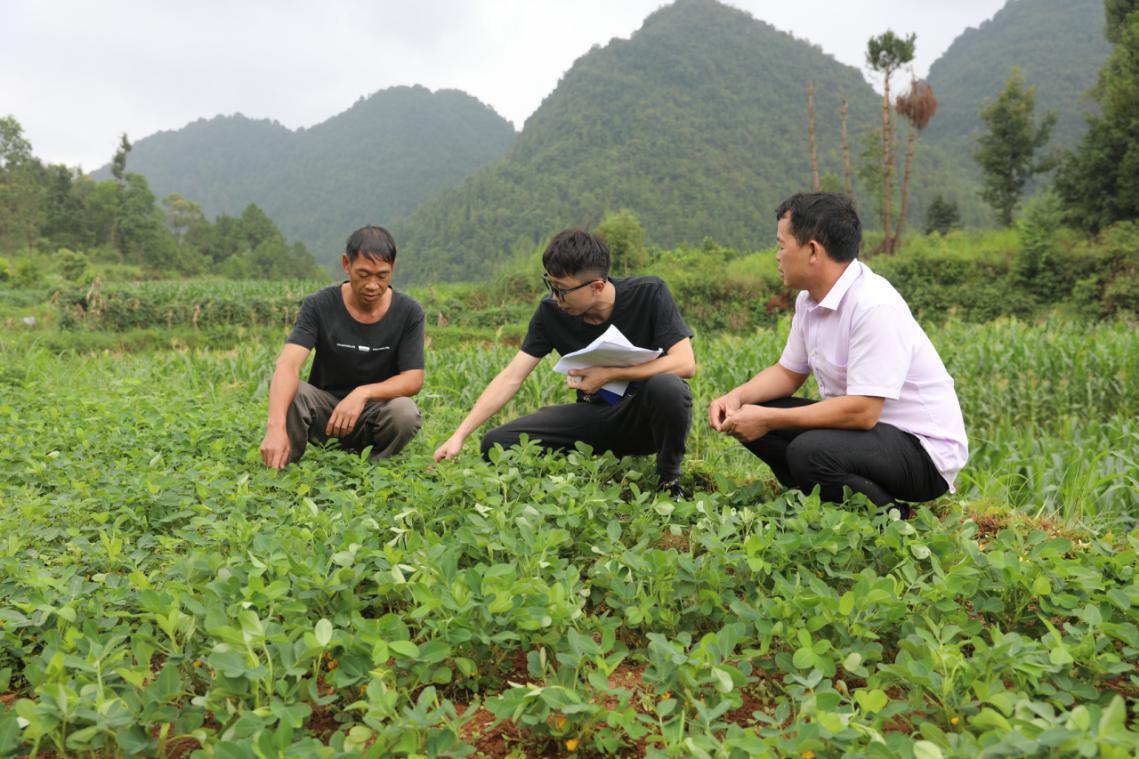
pixel 811 456
pixel 668 390
pixel 405 416
pixel 497 436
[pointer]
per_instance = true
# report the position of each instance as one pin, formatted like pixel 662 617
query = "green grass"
pixel 161 591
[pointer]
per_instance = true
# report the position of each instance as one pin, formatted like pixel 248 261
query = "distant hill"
pixel 370 164
pixel 698 123
pixel 1058 45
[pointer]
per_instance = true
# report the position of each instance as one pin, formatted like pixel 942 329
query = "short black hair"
pixel 371 241
pixel 829 218
pixel 577 251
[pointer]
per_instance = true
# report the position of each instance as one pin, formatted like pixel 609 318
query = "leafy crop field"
pixel 162 594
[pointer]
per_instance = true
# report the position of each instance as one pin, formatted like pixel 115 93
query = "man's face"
pixel 368 277
pixel 793 258
pixel 573 294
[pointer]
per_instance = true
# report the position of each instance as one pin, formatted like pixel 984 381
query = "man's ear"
pixel 344 262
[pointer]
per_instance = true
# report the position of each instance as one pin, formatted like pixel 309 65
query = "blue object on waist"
pixel 609 396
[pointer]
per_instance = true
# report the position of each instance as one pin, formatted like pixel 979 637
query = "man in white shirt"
pixel 889 424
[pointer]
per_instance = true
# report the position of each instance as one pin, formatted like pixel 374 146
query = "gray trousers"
pixel 387 426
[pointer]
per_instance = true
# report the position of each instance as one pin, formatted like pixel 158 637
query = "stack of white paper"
pixel 611 349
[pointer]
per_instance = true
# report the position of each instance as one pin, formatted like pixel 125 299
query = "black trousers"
pixel 655 420
pixel 883 463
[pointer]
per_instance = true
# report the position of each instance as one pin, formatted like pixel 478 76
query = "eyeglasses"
pixel 561 292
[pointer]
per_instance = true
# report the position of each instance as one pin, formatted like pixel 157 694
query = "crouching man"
pixel 889 424
pixel 369 362
pixel 655 412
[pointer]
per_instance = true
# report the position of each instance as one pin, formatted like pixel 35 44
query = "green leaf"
pixel 831 722
pixel 1111 722
pixel 1060 655
pixel 404 648
pixel 9 733
pixel 229 750
pixel 846 604
pixel 927 750
pixel 1041 586
pixel 804 658
pixel 323 632
pixel 871 701
pixel 723 680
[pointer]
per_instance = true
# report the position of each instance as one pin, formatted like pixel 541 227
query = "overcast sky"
pixel 77 73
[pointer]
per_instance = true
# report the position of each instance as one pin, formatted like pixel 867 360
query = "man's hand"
pixel 344 416
pixel 589 380
pixel 450 449
pixel 275 449
pixel 720 409
pixel 747 423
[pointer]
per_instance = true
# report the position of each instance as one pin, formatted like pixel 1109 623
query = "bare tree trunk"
pixel 811 130
pixel 887 162
pixel 911 138
pixel 846 151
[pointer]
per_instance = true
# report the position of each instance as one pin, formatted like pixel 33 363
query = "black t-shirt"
pixel 350 353
pixel 644 311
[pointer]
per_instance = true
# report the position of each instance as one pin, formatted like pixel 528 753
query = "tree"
pixel 184 218
pixel 942 216
pixel 1099 181
pixel 20 191
pixel 1007 151
pixel 918 107
pixel 119 162
pixel 846 150
pixel 811 132
pixel 626 239
pixel 886 53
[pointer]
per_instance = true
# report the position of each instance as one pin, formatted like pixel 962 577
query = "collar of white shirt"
pixel 839 289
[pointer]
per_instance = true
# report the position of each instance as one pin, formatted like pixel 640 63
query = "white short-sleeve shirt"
pixel 861 339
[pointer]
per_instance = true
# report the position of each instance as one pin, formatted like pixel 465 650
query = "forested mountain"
pixel 1059 46
pixel 697 123
pixel 370 164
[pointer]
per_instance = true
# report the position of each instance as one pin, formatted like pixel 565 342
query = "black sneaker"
pixel 672 489
pixel 902 509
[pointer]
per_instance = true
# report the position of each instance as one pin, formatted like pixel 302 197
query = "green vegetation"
pixel 1057 44
pixel 62 226
pixel 1007 151
pixel 1098 180
pixel 371 164
pixel 164 593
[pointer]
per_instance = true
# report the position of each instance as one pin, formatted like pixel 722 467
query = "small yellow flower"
pixel 560 722
pixel 808 755
pixel 571 744
pixel 666 695
pixel 197 663
pixel 954 720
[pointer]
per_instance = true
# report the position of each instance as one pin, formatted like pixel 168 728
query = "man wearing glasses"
pixel 655 412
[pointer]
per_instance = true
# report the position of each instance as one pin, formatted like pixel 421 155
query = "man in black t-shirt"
pixel 369 361
pixel 655 412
